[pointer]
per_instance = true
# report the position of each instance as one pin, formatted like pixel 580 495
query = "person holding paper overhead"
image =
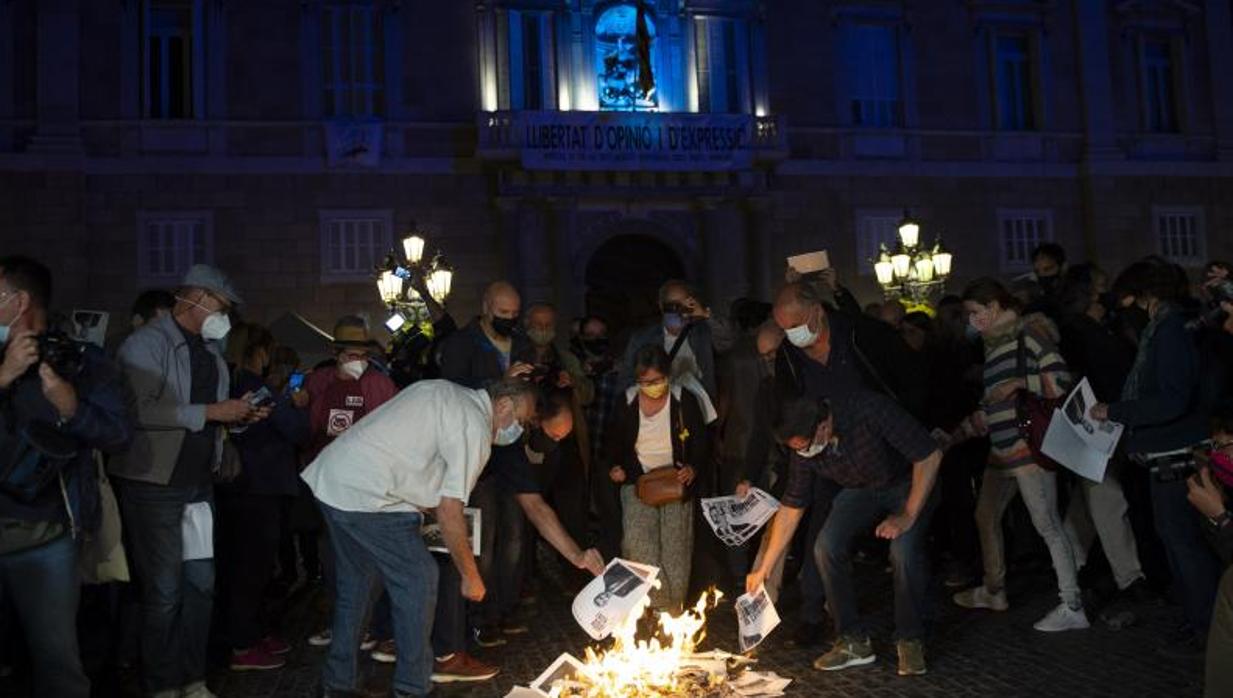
pixel 1018 356
pixel 1163 408
pixel 886 464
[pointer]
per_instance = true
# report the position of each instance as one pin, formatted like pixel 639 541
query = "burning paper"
pixel 755 683
pixel 609 599
pixel 565 674
pixel 756 616
pixel 665 666
pixel 734 519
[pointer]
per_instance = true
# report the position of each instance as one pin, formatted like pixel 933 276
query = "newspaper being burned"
pixel 609 599
pixel 716 674
pixel 666 665
pixel 735 519
pixel 756 617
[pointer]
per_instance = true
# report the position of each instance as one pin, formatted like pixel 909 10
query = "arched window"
pixel 616 60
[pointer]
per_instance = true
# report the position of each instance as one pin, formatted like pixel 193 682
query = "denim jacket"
pixel 155 359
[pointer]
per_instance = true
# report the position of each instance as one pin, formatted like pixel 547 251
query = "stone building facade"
pixel 292 141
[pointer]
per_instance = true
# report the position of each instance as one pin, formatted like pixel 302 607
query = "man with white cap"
pixel 165 480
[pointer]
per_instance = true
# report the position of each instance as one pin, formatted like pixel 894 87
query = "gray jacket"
pixel 156 363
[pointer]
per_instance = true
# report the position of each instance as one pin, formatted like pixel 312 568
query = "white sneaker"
pixel 980 597
pixel 1063 618
pixel 321 639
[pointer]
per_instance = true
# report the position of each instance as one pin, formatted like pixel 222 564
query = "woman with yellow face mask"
pixel 658 434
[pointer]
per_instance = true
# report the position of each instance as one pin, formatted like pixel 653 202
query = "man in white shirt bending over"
pixel 420 452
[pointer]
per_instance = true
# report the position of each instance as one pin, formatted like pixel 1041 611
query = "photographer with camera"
pixel 1163 410
pixel 1208 494
pixel 691 335
pixel 165 481
pixel 59 402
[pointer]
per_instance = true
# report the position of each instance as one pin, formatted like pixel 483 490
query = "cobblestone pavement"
pixel 970 653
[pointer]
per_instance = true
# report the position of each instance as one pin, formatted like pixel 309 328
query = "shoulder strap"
pixel 869 368
pixel 680 339
pixel 1021 356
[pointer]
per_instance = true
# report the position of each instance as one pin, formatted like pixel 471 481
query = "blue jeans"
pixel 177 597
pixel 43 587
pixel 855 511
pixel 386 548
pixel 1195 569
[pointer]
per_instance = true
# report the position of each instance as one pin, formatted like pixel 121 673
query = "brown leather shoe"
pixel 462 667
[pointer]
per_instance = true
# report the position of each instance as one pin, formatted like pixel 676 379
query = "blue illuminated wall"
pixel 616 61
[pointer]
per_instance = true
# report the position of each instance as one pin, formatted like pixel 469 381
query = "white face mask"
pixel 508 435
pixel 354 369
pixel 215 327
pixel 7 328
pixel 801 336
pixel 811 450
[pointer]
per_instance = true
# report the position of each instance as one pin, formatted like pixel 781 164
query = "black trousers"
pixel 248 533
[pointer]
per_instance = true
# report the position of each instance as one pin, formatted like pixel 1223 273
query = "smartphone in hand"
pixel 296 382
pixel 261 398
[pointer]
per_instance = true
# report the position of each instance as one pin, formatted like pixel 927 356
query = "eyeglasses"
pixel 652 381
pixel 1221 445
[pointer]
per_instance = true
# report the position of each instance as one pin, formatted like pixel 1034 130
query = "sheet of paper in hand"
pixel 431 531
pixel 756 617
pixel 735 520
pixel 607 600
pixel 1078 442
pixel 810 262
pixel 197 532
pixel 1100 436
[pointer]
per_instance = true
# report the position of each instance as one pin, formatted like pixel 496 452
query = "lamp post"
pixel 913 273
pixel 394 280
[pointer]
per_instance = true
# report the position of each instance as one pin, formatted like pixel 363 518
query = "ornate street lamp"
pixel 407 307
pixel 913 273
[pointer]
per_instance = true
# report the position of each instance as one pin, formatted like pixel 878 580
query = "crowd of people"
pixel 200 468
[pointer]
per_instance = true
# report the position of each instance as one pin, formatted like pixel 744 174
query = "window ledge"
pixel 887 144
pixel 1169 146
pixel 1017 147
pixel 174 137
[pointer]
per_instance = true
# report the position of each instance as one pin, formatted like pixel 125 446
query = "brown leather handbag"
pixel 660 487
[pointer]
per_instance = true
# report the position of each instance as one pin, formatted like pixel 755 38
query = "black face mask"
pixel 1135 318
pixel 540 442
pixel 1050 284
pixel 595 347
pixel 504 326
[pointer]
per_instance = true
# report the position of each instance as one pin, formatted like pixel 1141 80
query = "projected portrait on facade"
pixel 616 60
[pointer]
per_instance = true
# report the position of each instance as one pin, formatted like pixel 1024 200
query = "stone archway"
pixel 623 276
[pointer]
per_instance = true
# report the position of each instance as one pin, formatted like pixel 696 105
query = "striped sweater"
pixel 1046 376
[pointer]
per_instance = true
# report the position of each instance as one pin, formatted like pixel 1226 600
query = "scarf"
pixel 1130 389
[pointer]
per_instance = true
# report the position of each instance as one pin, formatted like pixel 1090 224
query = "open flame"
pixel 646 668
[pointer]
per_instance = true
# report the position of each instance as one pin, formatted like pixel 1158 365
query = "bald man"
pixel 476 355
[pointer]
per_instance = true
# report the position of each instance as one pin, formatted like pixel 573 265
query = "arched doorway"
pixel 623 278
